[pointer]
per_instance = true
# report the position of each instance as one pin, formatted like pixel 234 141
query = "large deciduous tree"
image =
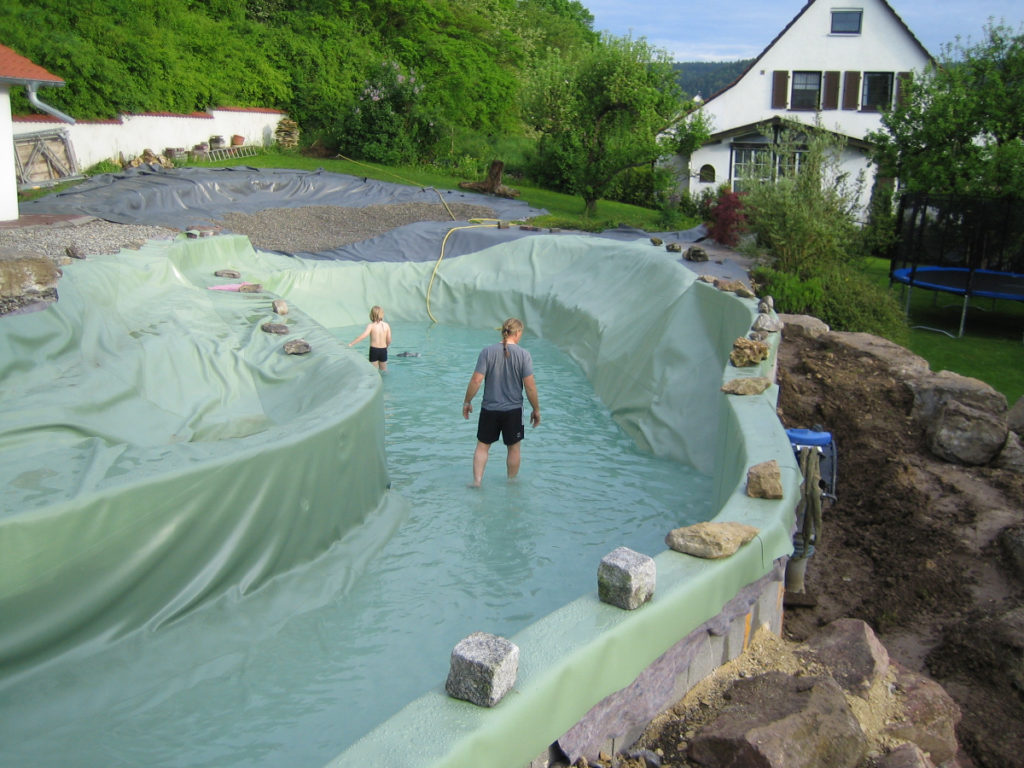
pixel 957 128
pixel 612 106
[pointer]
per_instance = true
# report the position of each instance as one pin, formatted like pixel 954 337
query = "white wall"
pixel 96 140
pixel 8 185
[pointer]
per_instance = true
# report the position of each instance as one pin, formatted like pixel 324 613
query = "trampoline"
pixel 961 281
pixel 971 247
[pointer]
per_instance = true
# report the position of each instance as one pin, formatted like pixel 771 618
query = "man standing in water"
pixel 505 370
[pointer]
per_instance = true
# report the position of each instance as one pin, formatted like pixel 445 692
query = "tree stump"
pixel 492 184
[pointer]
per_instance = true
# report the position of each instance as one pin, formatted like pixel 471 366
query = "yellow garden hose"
pixel 433 274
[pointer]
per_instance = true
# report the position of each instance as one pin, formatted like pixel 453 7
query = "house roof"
pixel 15 68
pixel 793 21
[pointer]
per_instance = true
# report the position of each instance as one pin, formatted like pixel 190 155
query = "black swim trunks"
pixel 508 424
pixel 378 354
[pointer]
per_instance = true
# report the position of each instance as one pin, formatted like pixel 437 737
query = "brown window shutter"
pixel 851 90
pixel 902 78
pixel 830 95
pixel 780 88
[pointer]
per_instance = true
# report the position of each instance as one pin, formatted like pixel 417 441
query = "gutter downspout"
pixel 33 99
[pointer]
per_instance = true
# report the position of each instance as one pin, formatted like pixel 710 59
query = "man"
pixel 505 369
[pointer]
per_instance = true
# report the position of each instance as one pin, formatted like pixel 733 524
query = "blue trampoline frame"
pixel 961 281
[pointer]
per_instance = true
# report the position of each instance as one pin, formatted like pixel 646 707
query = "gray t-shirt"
pixel 503 376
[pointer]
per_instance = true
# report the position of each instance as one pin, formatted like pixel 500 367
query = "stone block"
pixel 626 578
pixel 483 669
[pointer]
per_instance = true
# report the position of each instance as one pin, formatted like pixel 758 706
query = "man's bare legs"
pixel 512 462
pixel 479 462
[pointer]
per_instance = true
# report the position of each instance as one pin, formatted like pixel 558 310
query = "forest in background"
pixel 706 78
pixel 455 73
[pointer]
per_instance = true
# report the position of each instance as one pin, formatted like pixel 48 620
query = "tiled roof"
pixel 14 66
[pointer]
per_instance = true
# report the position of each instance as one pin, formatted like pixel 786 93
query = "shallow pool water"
pixel 295 672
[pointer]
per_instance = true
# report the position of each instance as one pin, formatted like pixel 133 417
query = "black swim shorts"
pixel 508 424
pixel 378 354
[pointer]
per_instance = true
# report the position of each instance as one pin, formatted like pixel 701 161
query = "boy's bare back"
pixel 380 334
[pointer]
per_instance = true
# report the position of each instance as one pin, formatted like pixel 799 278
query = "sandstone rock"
pixel 626 578
pixel 696 254
pixel 1011 542
pixel 906 755
pixel 965 435
pixel 483 669
pixel 766 304
pixel 930 714
pixel 776 720
pixel 656 241
pixel 764 480
pixel 747 385
pixel 75 251
pixel 279 328
pixel 232 273
pixel 802 326
pixel 280 306
pixel 29 275
pixel 746 352
pixel 1011 457
pixel 738 287
pixel 1015 417
pixel 297 347
pixel 767 323
pixel 710 541
pixel 851 652
pixel 674 248
pixel 710 279
pixel 900 361
pixel 250 288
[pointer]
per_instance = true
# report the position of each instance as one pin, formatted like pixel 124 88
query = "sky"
pixel 740 29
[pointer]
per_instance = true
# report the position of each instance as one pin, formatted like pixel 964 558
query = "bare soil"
pixel 909 547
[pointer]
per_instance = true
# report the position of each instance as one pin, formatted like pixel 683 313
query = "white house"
pixel 17 70
pixel 840 62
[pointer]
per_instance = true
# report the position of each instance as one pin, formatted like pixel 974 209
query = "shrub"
pixel 792 294
pixel 842 296
pixel 389 123
pixel 728 219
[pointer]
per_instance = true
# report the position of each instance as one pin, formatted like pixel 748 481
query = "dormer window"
pixel 846 22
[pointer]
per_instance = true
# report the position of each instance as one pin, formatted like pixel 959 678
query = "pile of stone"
pixel 287 133
pixel 148 157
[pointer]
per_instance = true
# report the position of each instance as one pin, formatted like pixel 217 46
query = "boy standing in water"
pixel 505 370
pixel 380 338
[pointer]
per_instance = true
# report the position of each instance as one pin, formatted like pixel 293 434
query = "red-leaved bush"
pixel 728 219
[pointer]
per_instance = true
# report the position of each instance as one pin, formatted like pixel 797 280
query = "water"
pixel 294 673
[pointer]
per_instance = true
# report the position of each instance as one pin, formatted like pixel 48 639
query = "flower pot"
pixel 237 141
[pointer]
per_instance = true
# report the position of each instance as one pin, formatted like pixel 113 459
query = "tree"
pixel 614 106
pixel 957 128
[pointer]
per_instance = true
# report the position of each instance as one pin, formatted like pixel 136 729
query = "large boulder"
pixel 776 720
pixel 851 652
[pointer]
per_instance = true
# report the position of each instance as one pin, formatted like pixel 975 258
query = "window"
pixel 806 90
pixel 877 93
pixel 707 174
pixel 846 22
pixel 749 162
pixel 759 162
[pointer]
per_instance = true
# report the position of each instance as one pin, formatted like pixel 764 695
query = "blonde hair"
pixel 510 328
pixel 376 313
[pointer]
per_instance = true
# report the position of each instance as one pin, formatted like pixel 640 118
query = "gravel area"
pixel 94 237
pixel 323 228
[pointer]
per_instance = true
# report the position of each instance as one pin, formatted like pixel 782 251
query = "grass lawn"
pixel 992 347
